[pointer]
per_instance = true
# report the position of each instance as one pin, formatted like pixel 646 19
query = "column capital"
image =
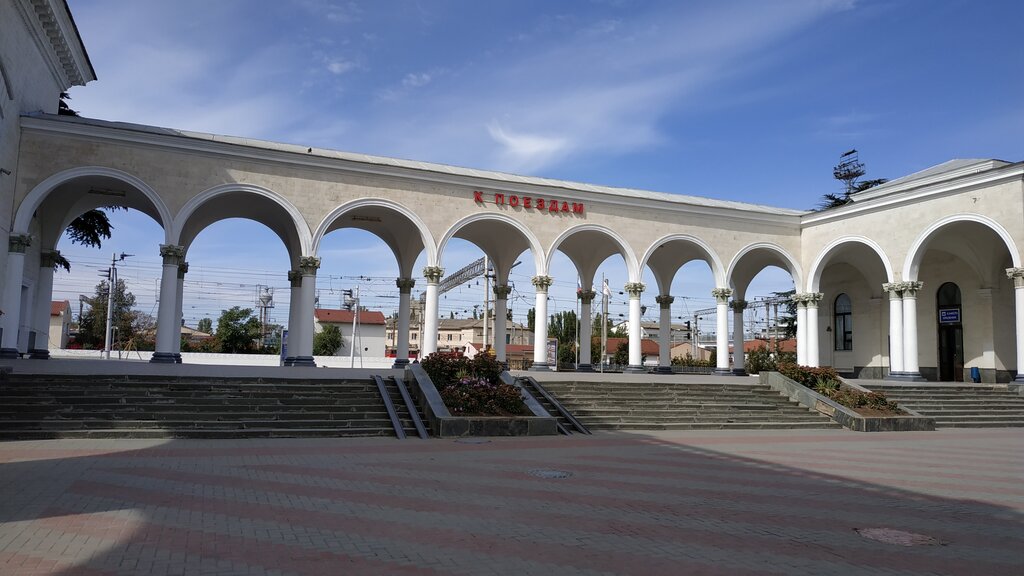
pixel 49 258
pixel 172 254
pixel 405 285
pixel 664 300
pixel 739 305
pixel 893 288
pixel 635 289
pixel 308 265
pixel 812 298
pixel 501 291
pixel 542 283
pixel 1017 275
pixel 433 274
pixel 295 278
pixel 911 288
pixel 722 294
pixel 182 270
pixel 18 243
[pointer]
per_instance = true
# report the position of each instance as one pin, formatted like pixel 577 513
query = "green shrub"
pixel 825 381
pixel 690 361
pixel 762 359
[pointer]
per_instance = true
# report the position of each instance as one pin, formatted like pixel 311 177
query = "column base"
pixel 540 367
pixel 39 354
pixel 8 353
pixel 722 372
pixel 177 357
pixel 288 361
pixel 739 372
pixel 400 363
pixel 589 368
pixel 303 361
pixel 631 369
pixel 1019 378
pixel 906 377
pixel 663 370
pixel 162 358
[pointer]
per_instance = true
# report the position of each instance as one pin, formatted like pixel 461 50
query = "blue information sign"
pixel 949 315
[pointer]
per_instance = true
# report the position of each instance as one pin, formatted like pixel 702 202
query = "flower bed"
pixel 472 387
pixel 825 381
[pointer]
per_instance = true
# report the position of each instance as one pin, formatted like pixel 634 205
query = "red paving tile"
pixel 666 503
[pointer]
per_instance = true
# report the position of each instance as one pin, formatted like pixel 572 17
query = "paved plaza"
pixel 738 502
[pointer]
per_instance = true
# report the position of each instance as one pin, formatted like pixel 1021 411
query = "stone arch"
pixel 293 229
pixel 912 265
pixel 777 256
pixel 533 244
pixel 35 198
pixel 632 268
pixel 818 266
pixel 405 260
pixel 710 256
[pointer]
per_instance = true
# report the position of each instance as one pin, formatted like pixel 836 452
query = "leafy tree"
pixel 787 319
pixel 848 171
pixel 531 319
pixel 327 341
pixel 622 354
pixel 93 326
pixel 63 109
pixel 563 326
pixel 205 325
pixel 89 229
pixel 238 330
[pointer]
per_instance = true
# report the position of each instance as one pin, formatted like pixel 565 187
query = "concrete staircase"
pixel 959 406
pixel 650 405
pixel 50 406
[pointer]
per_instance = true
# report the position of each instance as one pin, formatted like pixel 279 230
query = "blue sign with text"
pixel 949 315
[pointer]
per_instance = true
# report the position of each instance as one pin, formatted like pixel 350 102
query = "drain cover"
pixel 551 474
pixel 897 537
pixel 472 441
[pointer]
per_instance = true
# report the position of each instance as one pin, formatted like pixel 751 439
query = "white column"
pixel 813 298
pixel 501 293
pixel 1017 275
pixel 308 266
pixel 910 359
pixel 586 298
pixel 722 329
pixel 540 323
pixel 636 362
pixel 40 348
pixel 801 329
pixel 180 296
pixel 294 302
pixel 664 333
pixel 17 245
pixel 167 329
pixel 739 362
pixel 895 328
pixel 429 344
pixel 405 286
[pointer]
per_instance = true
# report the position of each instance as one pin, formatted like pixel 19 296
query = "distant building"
pixel 60 323
pixel 370 340
pixel 456 334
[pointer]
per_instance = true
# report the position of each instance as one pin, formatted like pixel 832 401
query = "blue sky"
pixel 747 101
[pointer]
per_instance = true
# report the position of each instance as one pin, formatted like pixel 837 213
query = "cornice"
pixel 57 39
pixel 945 186
pixel 207 144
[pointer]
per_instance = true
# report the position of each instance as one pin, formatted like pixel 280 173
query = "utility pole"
pixel 111 274
pixel 604 320
pixel 487 300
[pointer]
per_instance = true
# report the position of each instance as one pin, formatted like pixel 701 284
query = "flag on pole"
pixel 605 289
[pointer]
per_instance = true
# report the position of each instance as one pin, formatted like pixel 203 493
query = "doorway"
pixel 951 334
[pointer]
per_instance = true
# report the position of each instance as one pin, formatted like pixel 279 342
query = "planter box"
pixel 444 425
pixel 843 415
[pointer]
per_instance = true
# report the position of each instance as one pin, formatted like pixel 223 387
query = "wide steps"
pixel 961 406
pixel 102 407
pixel 659 406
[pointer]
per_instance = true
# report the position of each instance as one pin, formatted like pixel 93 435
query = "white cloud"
pixel 340 66
pixel 527 151
pixel 414 80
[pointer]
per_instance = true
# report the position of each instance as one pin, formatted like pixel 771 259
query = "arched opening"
pixel 857 268
pixel 949 310
pixel 369 252
pixel 603 333
pixel 42 219
pixel 972 254
pixel 487 274
pixel 765 276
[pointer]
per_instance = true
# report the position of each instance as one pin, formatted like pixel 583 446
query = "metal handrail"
pixel 413 412
pixel 395 422
pixel 558 405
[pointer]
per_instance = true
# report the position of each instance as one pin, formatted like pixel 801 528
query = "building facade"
pixel 918 277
